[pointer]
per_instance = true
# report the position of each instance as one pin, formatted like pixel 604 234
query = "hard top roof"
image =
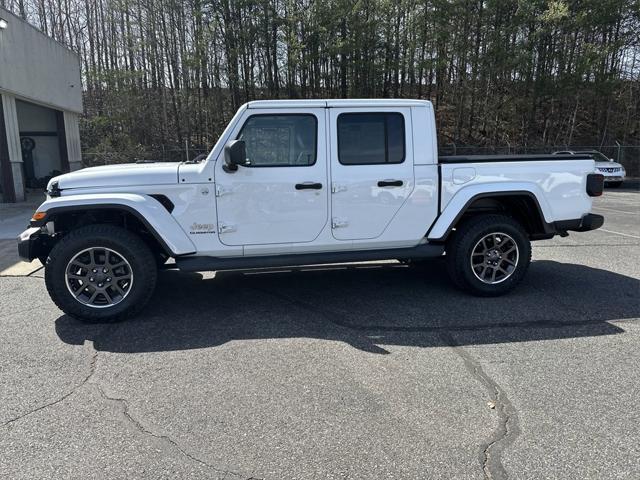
pixel 339 103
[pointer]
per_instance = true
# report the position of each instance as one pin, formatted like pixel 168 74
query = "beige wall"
pixel 36 67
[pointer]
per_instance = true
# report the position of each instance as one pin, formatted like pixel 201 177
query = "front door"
pixel 281 195
pixel 371 169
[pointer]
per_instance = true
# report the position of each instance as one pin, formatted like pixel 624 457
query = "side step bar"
pixel 203 264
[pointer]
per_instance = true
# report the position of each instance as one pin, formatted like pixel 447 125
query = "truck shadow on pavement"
pixel 367 306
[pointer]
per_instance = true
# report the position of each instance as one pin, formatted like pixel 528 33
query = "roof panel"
pixel 287 104
pixel 376 102
pixel 339 103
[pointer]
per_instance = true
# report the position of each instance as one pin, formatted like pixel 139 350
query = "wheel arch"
pixel 522 204
pixel 141 214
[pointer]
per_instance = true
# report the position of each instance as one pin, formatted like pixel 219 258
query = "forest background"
pixel 161 78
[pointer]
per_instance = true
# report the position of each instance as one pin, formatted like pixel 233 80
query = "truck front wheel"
pixel 488 255
pixel 100 273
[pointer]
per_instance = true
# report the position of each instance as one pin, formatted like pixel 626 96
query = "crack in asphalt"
pixel 22 276
pixel 165 438
pixel 508 427
pixel 125 411
pixel 92 369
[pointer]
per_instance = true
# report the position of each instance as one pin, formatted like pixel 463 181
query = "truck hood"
pixel 128 174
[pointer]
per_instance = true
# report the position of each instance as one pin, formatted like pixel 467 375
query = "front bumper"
pixel 32 243
pixel 613 178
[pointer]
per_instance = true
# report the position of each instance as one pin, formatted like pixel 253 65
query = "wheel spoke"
pixel 118 261
pixel 92 258
pixel 107 295
pixel 93 297
pixel 82 289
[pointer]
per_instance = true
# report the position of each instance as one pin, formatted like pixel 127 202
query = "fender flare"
pixel 462 199
pixel 160 223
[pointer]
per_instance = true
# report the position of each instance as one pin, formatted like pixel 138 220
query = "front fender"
pixel 147 209
pixel 467 195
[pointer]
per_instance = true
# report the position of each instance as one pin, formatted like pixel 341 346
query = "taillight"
pixel 595 184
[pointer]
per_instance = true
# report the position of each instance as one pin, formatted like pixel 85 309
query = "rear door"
pixel 371 169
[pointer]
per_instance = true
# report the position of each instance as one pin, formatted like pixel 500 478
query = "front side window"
pixel 281 140
pixel 370 138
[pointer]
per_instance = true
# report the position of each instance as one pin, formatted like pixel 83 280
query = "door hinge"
pixel 221 190
pixel 336 187
pixel 226 228
pixel 339 222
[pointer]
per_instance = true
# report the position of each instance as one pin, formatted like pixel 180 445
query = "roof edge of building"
pixel 20 19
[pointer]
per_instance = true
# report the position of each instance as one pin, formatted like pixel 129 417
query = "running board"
pixel 203 264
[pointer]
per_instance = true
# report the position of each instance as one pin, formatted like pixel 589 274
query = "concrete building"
pixel 41 95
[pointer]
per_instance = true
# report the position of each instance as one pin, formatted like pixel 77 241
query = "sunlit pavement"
pixel 369 371
pixel 14 218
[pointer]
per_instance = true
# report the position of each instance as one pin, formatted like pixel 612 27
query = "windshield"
pixel 597 156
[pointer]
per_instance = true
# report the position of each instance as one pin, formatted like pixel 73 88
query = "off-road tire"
pixel 462 242
pixel 130 246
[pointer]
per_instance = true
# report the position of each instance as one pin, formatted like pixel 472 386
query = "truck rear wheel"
pixel 488 255
pixel 101 273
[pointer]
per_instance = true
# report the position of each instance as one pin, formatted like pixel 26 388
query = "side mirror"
pixel 234 155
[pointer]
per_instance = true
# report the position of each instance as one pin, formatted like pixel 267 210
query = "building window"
pixel 370 138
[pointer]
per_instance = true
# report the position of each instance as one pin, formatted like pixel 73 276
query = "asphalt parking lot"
pixel 363 372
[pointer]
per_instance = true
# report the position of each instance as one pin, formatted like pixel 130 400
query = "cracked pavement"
pixel 374 370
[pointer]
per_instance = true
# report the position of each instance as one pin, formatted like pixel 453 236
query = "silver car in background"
pixel 613 172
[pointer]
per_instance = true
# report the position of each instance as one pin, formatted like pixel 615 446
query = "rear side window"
pixel 370 138
pixel 286 140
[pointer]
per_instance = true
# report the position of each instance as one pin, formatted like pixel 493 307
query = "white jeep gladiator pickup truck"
pixel 305 182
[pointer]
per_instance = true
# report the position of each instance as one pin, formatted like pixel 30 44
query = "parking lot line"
pixel 614 210
pixel 618 233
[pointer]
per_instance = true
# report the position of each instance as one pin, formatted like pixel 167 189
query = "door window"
pixel 280 140
pixel 370 138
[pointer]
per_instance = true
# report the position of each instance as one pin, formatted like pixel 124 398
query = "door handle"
pixel 390 183
pixel 308 186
